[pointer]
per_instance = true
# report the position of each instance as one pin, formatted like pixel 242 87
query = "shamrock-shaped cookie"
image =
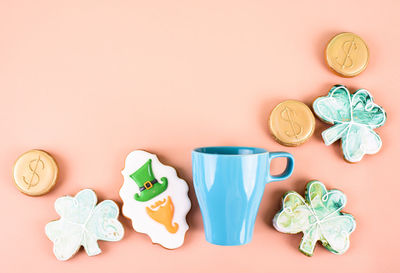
pixel 354 117
pixel 83 223
pixel 318 217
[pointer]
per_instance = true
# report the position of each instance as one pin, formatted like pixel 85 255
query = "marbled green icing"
pixel 318 217
pixel 354 117
pixel 83 223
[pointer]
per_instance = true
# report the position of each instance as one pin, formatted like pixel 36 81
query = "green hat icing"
pixel 148 185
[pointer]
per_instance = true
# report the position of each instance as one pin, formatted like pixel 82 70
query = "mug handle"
pixel 288 170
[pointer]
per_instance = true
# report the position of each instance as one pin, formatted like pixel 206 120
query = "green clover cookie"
pixel 318 217
pixel 83 223
pixel 354 117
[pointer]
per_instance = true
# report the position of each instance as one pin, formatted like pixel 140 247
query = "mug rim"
pixel 218 150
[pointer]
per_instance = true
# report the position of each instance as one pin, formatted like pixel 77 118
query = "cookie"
pixel 155 199
pixel 347 54
pixel 354 117
pixel 82 223
pixel 291 123
pixel 318 217
pixel 35 172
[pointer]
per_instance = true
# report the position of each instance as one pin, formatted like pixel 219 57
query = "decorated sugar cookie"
pixel 291 123
pixel 35 172
pixel 82 223
pixel 354 117
pixel 318 217
pixel 347 54
pixel 155 199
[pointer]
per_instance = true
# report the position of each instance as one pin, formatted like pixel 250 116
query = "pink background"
pixel 90 81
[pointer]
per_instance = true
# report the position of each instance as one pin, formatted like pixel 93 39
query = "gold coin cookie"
pixel 347 54
pixel 35 172
pixel 291 123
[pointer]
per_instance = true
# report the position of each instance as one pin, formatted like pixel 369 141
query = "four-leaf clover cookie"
pixel 318 216
pixel 354 117
pixel 83 223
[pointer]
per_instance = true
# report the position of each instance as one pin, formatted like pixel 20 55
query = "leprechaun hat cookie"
pixel 155 199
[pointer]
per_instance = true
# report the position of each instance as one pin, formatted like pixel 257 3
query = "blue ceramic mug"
pixel 229 184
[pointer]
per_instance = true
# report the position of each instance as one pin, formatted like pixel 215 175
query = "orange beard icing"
pixel 163 212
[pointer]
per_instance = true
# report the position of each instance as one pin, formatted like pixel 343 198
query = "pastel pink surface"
pixel 90 81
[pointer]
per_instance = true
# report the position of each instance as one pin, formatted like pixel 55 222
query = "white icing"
pixel 357 133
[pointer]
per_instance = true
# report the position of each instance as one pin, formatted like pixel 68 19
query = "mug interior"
pixel 230 150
